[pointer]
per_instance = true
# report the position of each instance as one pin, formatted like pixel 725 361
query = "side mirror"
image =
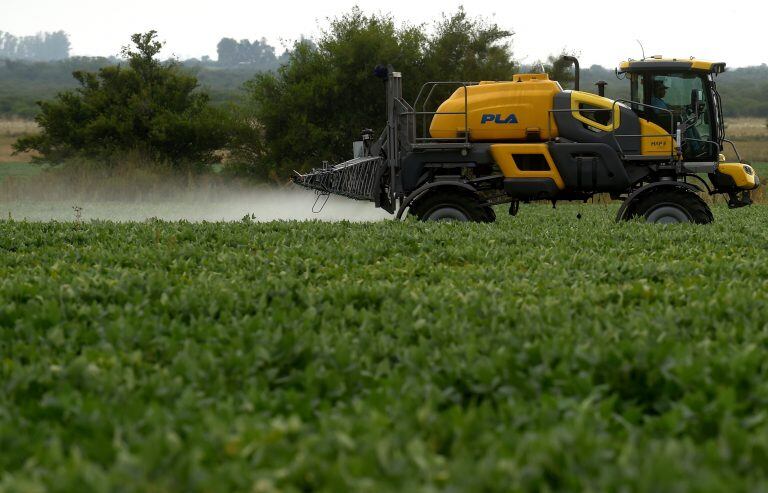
pixel 695 97
pixel 697 100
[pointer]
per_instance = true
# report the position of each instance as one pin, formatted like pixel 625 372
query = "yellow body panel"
pixel 655 141
pixel 743 174
pixel 701 65
pixel 695 64
pixel 503 154
pixel 500 110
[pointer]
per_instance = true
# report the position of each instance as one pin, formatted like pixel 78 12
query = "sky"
pixel 600 32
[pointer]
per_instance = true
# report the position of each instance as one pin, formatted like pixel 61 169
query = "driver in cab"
pixel 657 101
pixel 659 91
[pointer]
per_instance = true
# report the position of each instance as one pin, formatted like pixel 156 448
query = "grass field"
pixel 538 353
pixel 745 128
pixel 17 170
pixel 751 138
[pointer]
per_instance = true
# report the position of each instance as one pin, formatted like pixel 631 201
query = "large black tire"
pixel 671 206
pixel 443 206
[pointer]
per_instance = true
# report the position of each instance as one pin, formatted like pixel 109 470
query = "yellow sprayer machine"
pixel 527 139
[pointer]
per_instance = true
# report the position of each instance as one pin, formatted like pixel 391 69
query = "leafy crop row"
pixel 538 353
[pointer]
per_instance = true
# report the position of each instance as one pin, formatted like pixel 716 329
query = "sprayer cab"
pixel 677 93
pixel 681 96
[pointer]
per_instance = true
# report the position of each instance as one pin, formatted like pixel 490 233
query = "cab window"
pixel 670 98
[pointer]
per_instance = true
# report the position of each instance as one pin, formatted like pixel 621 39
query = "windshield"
pixel 670 98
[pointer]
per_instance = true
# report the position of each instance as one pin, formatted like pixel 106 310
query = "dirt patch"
pixel 10 131
pixel 6 152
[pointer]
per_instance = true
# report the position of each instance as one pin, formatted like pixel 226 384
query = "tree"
pixel 147 107
pixel 55 47
pixel 315 105
pixel 40 47
pixel 257 54
pixel 8 45
pixel 468 49
pixel 227 51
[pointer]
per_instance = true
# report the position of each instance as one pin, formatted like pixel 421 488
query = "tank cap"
pixel 528 77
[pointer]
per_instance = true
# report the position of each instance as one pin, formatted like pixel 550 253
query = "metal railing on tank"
pixel 422 118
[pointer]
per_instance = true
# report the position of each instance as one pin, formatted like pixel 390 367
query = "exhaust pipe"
pixel 576 71
pixel 601 87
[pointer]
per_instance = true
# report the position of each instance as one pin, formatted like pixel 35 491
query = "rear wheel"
pixel 672 207
pixel 442 206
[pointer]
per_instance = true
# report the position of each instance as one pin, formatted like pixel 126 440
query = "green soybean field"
pixel 545 352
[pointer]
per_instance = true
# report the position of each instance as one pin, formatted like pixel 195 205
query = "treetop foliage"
pixel 44 46
pixel 462 48
pixel 258 53
pixel 25 81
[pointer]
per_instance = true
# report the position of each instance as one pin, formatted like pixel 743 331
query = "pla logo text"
pixel 497 118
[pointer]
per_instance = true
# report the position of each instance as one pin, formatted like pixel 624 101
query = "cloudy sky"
pixel 603 32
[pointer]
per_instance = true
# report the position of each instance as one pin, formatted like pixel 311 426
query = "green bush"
pixel 148 107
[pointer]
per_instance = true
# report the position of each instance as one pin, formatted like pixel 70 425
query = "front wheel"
pixel 672 207
pixel 451 207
